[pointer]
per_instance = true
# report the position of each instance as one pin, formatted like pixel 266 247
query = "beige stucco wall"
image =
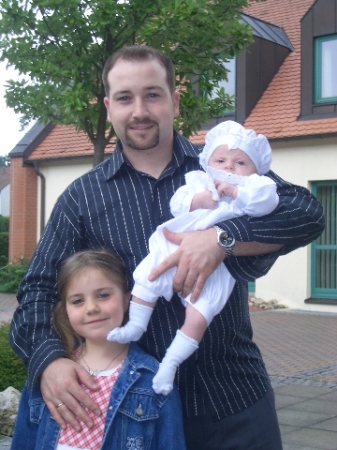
pixel 300 162
pixel 58 175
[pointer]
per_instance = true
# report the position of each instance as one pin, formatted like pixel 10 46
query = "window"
pixel 326 69
pixel 229 85
pixel 324 249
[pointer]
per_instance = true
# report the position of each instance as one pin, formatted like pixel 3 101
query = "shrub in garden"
pixel 12 274
pixel 13 371
pixel 4 223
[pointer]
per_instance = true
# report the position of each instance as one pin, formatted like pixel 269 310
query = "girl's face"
pixel 233 160
pixel 95 304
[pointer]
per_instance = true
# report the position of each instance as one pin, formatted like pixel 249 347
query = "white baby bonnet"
pixel 235 135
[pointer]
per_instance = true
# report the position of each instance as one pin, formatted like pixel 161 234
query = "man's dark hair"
pixel 139 53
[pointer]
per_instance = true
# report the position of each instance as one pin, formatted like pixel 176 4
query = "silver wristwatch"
pixel 225 241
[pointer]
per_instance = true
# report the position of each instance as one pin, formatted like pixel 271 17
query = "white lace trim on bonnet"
pixel 235 135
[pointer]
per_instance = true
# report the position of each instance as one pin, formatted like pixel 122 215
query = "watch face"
pixel 225 240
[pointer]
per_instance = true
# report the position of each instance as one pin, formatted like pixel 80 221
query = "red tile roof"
pixel 276 113
pixel 64 142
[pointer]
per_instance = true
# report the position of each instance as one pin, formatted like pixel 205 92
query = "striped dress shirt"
pixel 117 207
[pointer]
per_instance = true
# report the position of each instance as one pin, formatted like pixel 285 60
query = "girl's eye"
pixel 103 295
pixel 77 301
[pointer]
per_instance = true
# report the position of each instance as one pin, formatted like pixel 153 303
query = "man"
pixel 226 395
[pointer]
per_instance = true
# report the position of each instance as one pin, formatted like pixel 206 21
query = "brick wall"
pixel 23 210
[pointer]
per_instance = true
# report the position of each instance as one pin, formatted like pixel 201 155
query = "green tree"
pixel 59 48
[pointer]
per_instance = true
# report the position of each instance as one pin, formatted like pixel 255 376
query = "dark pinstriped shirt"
pixel 117 207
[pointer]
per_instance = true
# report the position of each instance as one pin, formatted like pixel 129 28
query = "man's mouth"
pixel 141 127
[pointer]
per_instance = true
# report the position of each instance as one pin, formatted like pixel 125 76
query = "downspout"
pixel 43 196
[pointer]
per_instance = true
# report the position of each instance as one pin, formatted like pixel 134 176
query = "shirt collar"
pixel 182 148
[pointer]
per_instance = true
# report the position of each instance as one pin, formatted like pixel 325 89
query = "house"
pixel 285 85
pixel 4 191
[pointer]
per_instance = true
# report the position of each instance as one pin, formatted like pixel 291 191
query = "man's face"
pixel 140 105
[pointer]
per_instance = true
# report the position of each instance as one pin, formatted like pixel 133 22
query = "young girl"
pixel 232 184
pixel 93 300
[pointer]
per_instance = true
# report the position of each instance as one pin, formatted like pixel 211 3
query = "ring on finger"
pixel 59 405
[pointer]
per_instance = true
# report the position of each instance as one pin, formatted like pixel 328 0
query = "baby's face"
pixel 233 160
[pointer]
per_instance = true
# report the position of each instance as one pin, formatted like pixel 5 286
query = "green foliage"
pixel 4 236
pixel 60 46
pixel 4 223
pixel 13 371
pixel 11 275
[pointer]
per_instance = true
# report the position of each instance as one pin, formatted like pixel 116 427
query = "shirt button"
pixel 139 410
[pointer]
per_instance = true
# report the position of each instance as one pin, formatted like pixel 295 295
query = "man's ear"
pixel 176 97
pixel 106 103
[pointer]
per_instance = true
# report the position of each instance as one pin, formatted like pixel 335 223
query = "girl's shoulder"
pixel 139 359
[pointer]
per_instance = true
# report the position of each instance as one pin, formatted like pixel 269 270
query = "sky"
pixel 9 121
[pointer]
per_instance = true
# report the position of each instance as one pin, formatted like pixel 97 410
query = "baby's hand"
pixel 203 200
pixel 224 188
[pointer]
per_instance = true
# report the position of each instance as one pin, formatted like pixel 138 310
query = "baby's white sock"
pixel 139 317
pixel 181 348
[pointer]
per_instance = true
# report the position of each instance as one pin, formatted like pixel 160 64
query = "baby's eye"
pixel 241 163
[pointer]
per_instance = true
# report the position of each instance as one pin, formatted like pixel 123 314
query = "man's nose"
pixel 139 108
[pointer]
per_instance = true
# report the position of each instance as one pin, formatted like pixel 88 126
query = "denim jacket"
pixel 137 417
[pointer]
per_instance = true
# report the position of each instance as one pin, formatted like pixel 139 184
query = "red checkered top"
pixel 91 439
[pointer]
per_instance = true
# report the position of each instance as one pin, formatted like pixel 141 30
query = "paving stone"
pixel 330 425
pixel 302 391
pixel 316 405
pixel 287 400
pixel 317 439
pixel 291 417
pixel 297 447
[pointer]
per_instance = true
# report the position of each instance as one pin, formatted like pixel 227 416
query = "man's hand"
pixel 60 385
pixel 196 259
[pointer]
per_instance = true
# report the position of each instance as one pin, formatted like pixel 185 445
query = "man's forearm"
pixel 255 248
